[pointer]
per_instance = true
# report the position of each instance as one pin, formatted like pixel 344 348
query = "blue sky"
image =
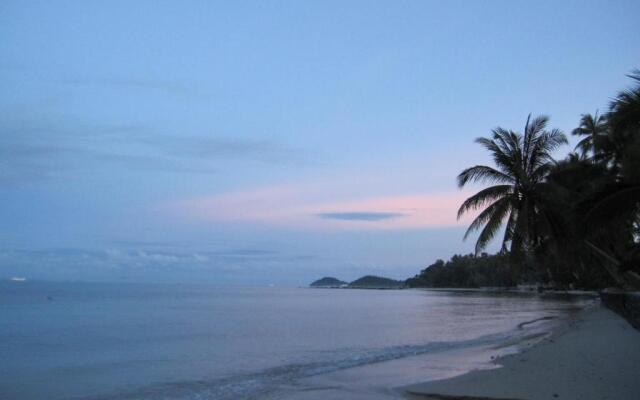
pixel 259 142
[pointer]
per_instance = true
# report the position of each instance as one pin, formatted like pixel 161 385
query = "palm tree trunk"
pixel 628 280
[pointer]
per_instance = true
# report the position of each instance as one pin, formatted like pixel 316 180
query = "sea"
pixel 125 341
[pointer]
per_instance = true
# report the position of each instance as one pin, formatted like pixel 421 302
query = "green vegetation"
pixel 328 282
pixel 568 223
pixel 467 271
pixel 522 162
pixel 366 282
pixel 375 282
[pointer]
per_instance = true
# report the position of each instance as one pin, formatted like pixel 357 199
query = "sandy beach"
pixel 596 357
pixel 593 355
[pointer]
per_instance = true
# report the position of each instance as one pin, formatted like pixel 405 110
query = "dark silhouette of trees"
pixel 594 129
pixel 522 163
pixel 568 223
pixel 467 271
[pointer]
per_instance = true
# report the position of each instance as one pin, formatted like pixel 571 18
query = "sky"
pixel 274 142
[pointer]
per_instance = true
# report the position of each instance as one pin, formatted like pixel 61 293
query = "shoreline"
pixel 595 356
pixel 592 354
pixel 578 293
pixel 488 290
pixel 386 380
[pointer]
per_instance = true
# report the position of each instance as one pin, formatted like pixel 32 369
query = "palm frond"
pixel 593 127
pixel 635 75
pixel 484 197
pixel 543 144
pixel 624 109
pixel 509 229
pixel 522 161
pixel 492 226
pixel 499 151
pixel 482 173
pixel 584 146
pixel 486 215
pixel 615 200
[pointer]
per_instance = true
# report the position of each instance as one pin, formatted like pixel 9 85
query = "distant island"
pixel 366 282
pixel 328 282
pixel 376 282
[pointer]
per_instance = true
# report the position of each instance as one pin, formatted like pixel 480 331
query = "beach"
pixel 596 356
pixel 319 200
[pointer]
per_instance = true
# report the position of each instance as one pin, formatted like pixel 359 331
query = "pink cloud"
pixel 300 207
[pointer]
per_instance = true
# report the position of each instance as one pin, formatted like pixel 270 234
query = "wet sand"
pixel 593 355
pixel 597 357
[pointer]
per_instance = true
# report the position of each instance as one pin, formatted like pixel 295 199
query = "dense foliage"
pixel 522 163
pixel 371 281
pixel 568 223
pixel 328 281
pixel 467 271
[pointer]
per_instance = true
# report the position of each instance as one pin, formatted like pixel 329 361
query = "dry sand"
pixel 597 357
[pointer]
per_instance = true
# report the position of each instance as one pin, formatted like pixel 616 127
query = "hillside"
pixel 328 282
pixel 375 282
pixel 468 271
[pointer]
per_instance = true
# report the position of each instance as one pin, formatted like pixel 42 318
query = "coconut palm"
pixel 624 126
pixel 521 163
pixel 616 206
pixel 623 197
pixel 594 128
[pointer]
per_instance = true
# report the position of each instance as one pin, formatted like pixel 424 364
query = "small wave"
pixel 269 381
pixel 533 321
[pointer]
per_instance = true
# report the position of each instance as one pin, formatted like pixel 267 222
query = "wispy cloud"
pixel 210 147
pixel 37 147
pixel 140 257
pixel 79 263
pixel 173 88
pixel 360 216
pixel 299 207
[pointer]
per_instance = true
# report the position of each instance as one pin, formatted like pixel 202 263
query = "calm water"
pixel 130 341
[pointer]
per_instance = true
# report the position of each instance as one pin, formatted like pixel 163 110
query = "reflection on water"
pixel 62 340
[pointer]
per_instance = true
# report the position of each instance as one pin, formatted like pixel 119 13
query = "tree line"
pixel 573 222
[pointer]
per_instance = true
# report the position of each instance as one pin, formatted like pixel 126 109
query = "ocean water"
pixel 171 341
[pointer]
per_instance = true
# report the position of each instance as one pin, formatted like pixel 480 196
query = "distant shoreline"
pixel 364 282
pixel 587 293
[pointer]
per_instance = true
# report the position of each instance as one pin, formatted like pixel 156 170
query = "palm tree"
pixel 522 163
pixel 594 127
pixel 616 206
pixel 624 126
pixel 622 197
